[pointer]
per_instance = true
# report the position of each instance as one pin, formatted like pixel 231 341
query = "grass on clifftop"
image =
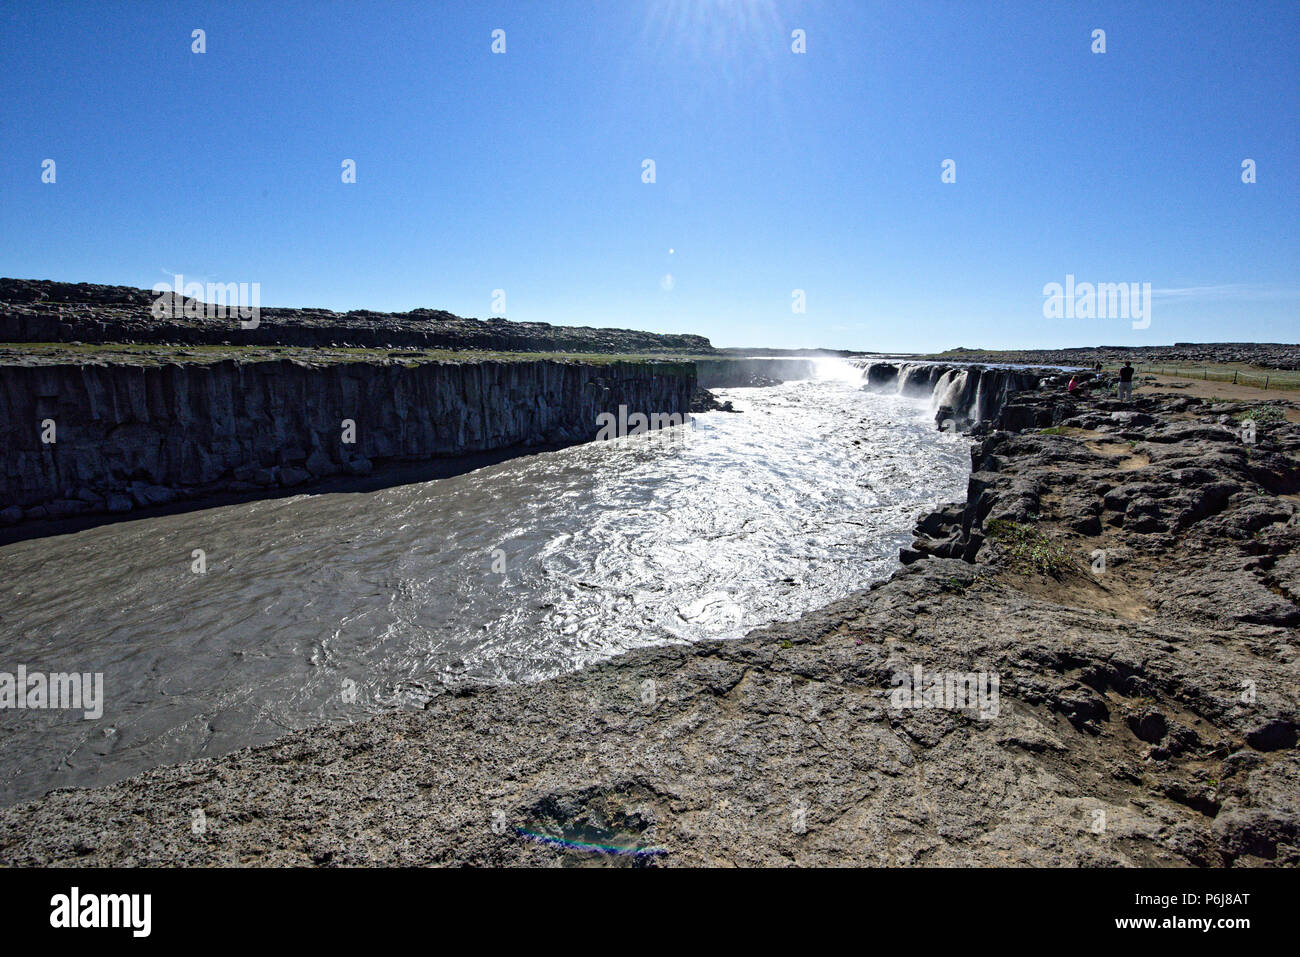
pixel 1237 373
pixel 1263 415
pixel 49 353
pixel 1027 548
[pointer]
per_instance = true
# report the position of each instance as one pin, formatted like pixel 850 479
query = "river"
pixel 329 607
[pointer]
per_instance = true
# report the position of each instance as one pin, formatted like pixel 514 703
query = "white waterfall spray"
pixel 948 390
pixel 949 387
pixel 830 367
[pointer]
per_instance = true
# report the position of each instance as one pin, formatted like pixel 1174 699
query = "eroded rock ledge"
pixel 1147 712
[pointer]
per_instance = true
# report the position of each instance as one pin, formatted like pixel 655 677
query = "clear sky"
pixel 774 170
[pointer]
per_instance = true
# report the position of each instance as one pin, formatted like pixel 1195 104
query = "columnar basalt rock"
pixel 127 436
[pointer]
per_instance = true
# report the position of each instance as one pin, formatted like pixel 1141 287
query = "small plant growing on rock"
pixel 1027 548
pixel 1264 415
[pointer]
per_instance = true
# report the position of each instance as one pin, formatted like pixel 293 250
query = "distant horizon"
pixel 878 176
pixel 716 345
pixel 1155 345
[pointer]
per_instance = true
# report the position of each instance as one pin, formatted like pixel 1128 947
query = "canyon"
pixel 1147 712
pixel 1124 574
pixel 106 409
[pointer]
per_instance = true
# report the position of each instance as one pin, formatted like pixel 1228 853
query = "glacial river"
pixel 330 607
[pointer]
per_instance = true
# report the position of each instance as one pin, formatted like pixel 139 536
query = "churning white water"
pixel 329 607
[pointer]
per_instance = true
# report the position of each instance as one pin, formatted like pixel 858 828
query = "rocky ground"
pixel 1146 712
pixel 1265 354
pixel 43 311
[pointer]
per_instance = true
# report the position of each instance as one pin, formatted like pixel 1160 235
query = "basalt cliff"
pixel 109 437
pixel 106 408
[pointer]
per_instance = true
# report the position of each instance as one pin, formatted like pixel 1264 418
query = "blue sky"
pixel 775 171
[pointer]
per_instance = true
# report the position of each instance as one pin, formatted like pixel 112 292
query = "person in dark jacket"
pixel 1126 381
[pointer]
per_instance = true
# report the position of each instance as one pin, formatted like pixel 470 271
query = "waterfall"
pixel 948 390
pixel 966 394
pixel 917 379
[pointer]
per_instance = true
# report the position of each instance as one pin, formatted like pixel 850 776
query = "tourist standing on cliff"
pixel 1126 381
